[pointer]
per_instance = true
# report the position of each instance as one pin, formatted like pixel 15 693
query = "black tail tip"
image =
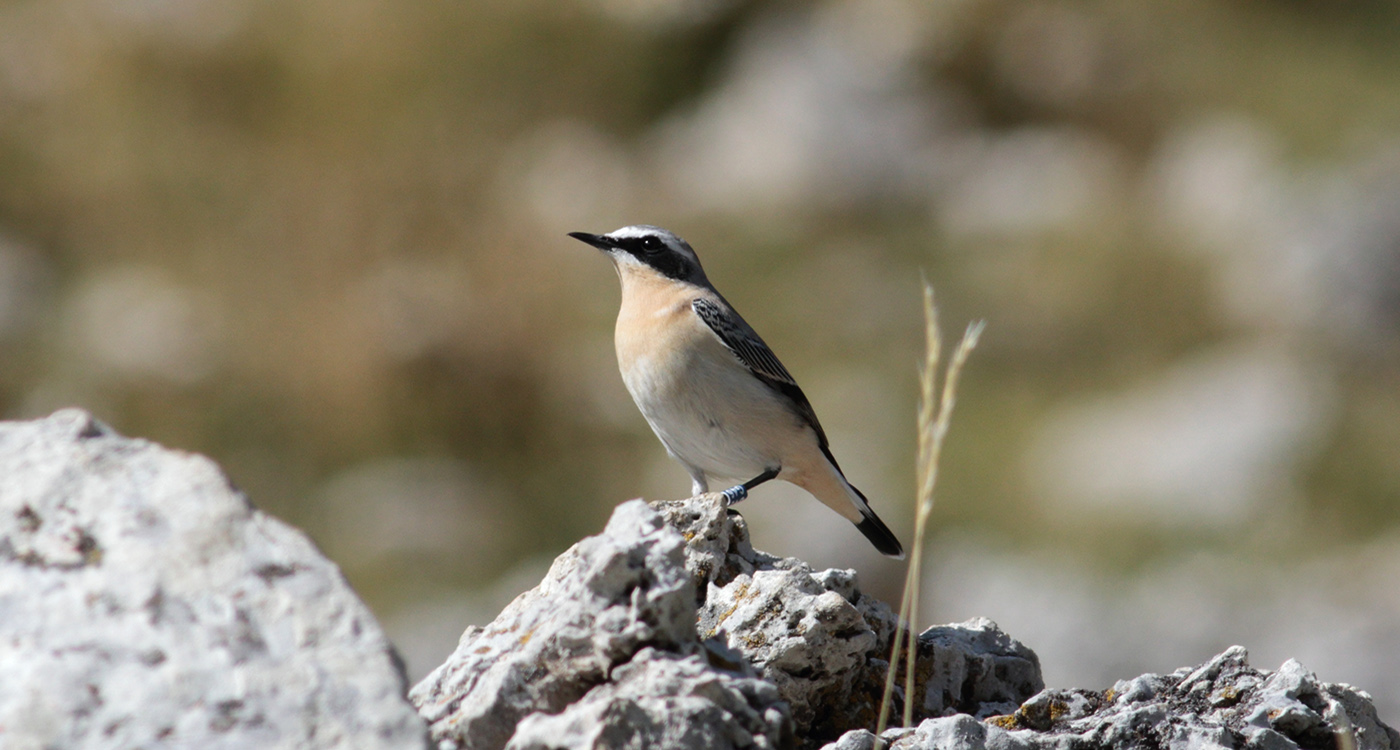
pixel 880 535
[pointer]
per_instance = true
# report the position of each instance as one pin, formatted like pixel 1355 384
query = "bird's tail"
pixel 828 484
pixel 875 530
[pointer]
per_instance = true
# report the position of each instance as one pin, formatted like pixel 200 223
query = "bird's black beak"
pixel 596 240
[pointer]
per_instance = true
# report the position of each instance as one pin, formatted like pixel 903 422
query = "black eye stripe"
pixel 647 244
pixel 654 252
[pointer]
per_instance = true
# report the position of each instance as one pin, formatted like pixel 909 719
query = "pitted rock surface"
pixel 825 644
pixel 661 699
pixel 603 601
pixel 680 582
pixel 1223 704
pixel 145 603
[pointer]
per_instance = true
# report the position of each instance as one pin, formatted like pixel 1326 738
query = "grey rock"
pixel 717 546
pixel 145 603
pixel 948 733
pixel 975 668
pixel 857 739
pixel 801 635
pixel 565 644
pixel 661 699
pixel 1222 704
pixel 956 732
pixel 825 644
pixel 680 582
pixel 670 630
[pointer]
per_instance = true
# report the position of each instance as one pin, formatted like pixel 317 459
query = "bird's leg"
pixel 698 484
pixel 740 491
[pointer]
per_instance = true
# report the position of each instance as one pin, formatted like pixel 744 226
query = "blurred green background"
pixel 324 243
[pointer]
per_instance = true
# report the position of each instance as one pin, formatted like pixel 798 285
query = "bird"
pixel 714 393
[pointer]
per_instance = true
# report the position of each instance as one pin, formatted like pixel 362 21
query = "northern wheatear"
pixel 721 402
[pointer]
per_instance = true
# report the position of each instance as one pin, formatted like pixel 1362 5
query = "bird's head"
pixel 646 248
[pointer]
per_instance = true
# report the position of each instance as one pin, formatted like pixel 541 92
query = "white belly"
pixel 711 414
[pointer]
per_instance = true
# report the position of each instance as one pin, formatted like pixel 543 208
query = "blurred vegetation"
pixel 323 243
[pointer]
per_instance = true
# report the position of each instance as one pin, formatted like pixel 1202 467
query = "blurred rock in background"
pixel 324 244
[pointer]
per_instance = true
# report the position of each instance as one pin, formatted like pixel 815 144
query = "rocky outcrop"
pixel 705 642
pixel 825 644
pixel 671 613
pixel 144 603
pixel 598 651
pixel 662 699
pixel 1222 705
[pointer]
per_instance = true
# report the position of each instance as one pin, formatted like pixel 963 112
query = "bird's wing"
pixel 753 354
pixel 740 339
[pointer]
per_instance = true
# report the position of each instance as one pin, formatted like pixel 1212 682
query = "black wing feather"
pixel 755 355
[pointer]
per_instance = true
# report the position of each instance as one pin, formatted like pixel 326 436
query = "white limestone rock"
pixel 662 699
pixel 1223 704
pixel 657 571
pixel 604 600
pixel 825 644
pixel 145 603
pixel 973 667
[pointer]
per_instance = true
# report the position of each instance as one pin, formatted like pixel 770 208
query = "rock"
pixel 803 636
pixel 573 643
pixel 567 650
pixel 974 668
pixel 145 603
pixel 825 644
pixel 717 544
pixel 1222 704
pixel 661 699
pixel 956 732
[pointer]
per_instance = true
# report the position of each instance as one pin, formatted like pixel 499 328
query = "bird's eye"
pixel 651 244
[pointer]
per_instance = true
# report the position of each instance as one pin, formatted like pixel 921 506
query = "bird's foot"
pixel 734 494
